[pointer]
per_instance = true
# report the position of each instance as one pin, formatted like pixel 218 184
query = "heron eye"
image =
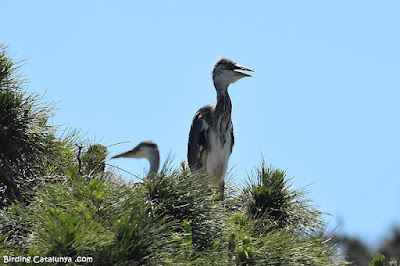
pixel 231 66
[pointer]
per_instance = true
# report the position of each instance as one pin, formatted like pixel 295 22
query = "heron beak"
pixel 127 154
pixel 242 68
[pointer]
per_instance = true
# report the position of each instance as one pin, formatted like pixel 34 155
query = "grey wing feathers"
pixel 198 139
pixel 232 137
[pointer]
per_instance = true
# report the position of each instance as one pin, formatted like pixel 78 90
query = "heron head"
pixel 225 72
pixel 145 149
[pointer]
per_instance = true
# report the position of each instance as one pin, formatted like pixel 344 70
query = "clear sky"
pixel 323 103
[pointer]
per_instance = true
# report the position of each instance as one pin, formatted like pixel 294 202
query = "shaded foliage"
pixel 390 248
pixel 26 140
pixel 356 252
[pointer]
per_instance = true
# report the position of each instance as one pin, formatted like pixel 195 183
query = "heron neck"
pixel 224 104
pixel 221 87
pixel 154 160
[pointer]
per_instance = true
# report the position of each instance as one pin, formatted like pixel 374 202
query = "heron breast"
pixel 218 156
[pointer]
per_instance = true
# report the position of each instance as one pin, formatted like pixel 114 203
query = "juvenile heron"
pixel 211 134
pixel 147 150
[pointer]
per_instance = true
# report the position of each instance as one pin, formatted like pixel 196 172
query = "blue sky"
pixel 323 102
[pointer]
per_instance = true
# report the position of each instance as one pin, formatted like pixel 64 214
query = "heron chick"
pixel 211 136
pixel 147 150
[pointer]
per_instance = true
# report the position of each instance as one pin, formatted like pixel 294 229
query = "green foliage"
pixel 183 195
pixel 272 203
pixel 9 78
pixel 83 217
pixel 378 260
pixel 277 247
pixel 172 217
pixel 27 143
pixel 269 196
pixel 94 159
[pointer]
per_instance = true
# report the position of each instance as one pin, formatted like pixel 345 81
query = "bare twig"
pixel 79 159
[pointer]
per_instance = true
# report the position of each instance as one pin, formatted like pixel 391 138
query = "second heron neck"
pixel 154 160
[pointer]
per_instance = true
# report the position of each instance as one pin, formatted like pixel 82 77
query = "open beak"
pixel 242 68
